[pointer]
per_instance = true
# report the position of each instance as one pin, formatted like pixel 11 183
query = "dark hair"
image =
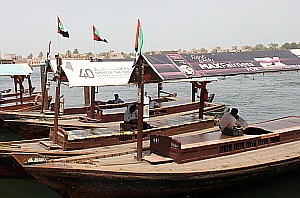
pixel 234 111
pixel 117 95
pixel 132 107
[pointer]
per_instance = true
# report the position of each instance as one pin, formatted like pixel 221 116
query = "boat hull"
pixel 70 182
pixel 10 168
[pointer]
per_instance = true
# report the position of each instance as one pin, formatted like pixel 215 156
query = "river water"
pixel 258 98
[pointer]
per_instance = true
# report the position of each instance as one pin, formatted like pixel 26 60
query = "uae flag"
pixel 139 38
pixel 61 29
pixel 97 36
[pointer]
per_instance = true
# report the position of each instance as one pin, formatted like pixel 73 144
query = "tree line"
pixel 258 47
pixel 271 46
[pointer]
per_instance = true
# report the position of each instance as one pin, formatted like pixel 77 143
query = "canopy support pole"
pixel 44 74
pixel 86 94
pixel 194 91
pixel 201 106
pixel 29 85
pixel 57 98
pixel 21 91
pixel 159 88
pixel 93 102
pixel 140 109
pixel 16 87
pixel 203 92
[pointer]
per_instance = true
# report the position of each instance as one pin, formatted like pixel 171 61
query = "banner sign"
pixel 181 66
pixel 86 73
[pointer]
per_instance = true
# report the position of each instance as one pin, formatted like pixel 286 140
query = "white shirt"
pixel 153 104
pixel 227 121
pixel 240 122
pixel 130 116
pixel 118 100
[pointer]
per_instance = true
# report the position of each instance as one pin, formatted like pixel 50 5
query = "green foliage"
pixel 147 53
pixel 248 47
pixel 273 46
pixel 40 55
pixel 214 50
pixel 75 51
pixel 30 56
pixel 259 47
pixel 89 55
pixel 68 53
pixel 203 50
pixel 292 45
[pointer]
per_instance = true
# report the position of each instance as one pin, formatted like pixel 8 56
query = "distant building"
pixel 115 55
pixel 4 61
pixel 12 56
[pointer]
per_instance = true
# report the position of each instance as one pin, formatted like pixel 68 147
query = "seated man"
pixel 228 122
pixel 131 115
pixel 153 104
pixel 117 100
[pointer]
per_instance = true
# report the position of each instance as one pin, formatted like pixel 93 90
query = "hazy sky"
pixel 28 25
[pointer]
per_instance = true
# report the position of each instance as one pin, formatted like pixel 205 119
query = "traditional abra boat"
pixel 264 150
pixel 21 99
pixel 242 160
pixel 168 120
pixel 101 73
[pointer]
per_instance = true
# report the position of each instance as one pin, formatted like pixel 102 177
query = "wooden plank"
pixel 157 159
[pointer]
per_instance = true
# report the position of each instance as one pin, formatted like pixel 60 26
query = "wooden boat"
pixel 22 99
pixel 262 157
pixel 96 140
pixel 222 162
pixel 36 125
pixel 32 125
pixel 108 133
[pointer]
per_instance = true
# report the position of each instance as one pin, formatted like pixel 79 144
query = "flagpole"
pixel 58 46
pixel 94 48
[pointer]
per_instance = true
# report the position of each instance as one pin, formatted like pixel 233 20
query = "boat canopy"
pixel 86 73
pixel 15 69
pixel 193 67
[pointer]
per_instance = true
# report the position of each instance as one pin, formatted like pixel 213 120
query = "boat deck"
pixel 269 127
pixel 34 146
pixel 128 163
pixel 79 175
pixel 155 122
pixel 209 145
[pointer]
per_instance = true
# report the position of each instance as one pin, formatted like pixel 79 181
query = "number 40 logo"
pixel 87 73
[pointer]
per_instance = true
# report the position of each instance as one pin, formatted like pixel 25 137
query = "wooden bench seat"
pixel 202 146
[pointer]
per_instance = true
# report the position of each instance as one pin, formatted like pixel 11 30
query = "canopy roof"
pixel 86 73
pixel 170 67
pixel 15 69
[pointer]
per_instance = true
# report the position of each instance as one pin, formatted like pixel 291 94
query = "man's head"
pixel 132 108
pixel 234 111
pixel 116 95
